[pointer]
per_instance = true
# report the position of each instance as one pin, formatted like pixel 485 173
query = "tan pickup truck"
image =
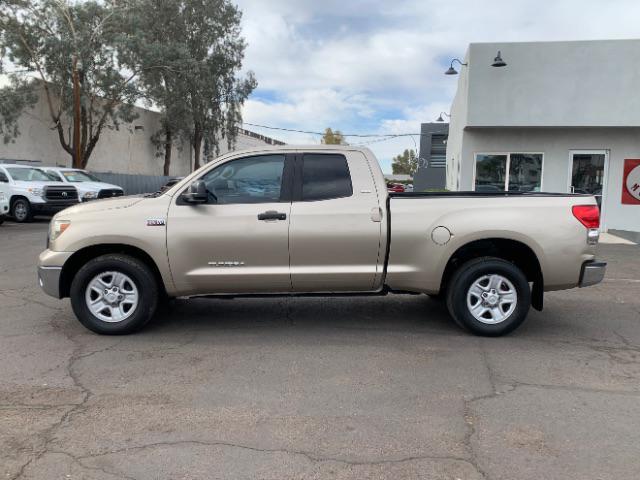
pixel 318 220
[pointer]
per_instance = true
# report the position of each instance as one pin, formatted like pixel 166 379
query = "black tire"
pixel 1 219
pixel 137 271
pixel 21 210
pixel 474 270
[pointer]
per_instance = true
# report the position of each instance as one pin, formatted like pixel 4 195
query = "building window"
pixel 516 172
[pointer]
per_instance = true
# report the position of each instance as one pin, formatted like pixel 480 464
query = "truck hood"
pixel 106 204
pixel 93 186
pixel 39 184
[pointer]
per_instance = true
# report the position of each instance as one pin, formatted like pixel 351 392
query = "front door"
pixel 238 240
pixel 588 174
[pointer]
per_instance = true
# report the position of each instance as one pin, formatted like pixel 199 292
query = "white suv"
pixel 4 197
pixel 89 187
pixel 31 191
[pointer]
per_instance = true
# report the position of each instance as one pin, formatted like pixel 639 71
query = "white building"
pixel 126 150
pixel 559 117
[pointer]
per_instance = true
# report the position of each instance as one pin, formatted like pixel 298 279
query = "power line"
pixel 380 135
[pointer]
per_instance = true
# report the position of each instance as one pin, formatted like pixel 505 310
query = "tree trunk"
pixel 168 144
pixel 77 150
pixel 197 146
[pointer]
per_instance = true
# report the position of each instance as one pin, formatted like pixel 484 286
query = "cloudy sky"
pixel 377 66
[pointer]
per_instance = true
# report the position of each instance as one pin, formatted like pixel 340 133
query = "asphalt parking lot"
pixel 362 388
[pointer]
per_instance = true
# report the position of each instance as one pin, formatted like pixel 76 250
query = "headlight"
pixel 57 228
pixel 35 191
pixel 90 195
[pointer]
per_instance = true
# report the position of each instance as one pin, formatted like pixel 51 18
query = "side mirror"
pixel 197 193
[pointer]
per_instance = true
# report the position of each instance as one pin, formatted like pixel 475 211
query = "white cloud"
pixel 376 66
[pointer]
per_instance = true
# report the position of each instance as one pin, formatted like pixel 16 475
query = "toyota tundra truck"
pixel 294 220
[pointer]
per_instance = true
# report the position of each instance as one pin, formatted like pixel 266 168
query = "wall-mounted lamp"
pixel 440 119
pixel 498 62
pixel 453 71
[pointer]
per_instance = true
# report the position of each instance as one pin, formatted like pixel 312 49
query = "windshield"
pixel 28 175
pixel 77 176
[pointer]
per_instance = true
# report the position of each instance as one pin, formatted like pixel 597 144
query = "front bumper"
pixel 592 273
pixel 50 270
pixel 50 207
pixel 49 280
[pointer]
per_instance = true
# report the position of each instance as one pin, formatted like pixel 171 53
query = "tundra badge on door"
pixel 156 222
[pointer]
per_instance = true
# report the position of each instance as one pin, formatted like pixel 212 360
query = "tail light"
pixel 589 216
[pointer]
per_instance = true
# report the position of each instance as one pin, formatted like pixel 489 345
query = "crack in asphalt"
pixel 308 455
pixel 49 434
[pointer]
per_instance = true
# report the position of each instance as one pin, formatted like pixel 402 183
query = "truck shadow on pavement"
pixel 399 313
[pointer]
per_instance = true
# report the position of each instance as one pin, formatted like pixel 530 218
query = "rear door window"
pixel 325 176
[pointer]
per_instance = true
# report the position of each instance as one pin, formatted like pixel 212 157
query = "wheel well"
pixel 15 198
pixel 510 250
pixel 81 257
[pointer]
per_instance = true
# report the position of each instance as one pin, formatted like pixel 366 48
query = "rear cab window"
pixel 325 176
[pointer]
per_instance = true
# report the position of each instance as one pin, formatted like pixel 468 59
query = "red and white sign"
pixel 631 182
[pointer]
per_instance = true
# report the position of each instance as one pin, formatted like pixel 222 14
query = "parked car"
pixel 395 187
pixel 31 192
pixel 308 220
pixel 4 198
pixel 89 186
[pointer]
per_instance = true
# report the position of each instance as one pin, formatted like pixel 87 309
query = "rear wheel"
pixel 489 296
pixel 21 210
pixel 114 294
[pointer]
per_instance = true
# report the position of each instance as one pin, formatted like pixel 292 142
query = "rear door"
pixel 335 232
pixel 238 241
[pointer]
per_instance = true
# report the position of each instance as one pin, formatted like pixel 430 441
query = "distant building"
pixel 126 150
pixel 431 174
pixel 559 117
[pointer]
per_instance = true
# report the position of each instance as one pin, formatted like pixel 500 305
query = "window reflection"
pixel 516 172
pixel 525 172
pixel 490 173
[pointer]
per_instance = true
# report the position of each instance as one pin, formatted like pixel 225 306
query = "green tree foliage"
pixel 215 93
pixel 333 138
pixel 405 164
pixel 46 39
pixel 181 56
pixel 197 87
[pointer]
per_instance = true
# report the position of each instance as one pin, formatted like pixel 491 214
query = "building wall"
pixel 428 176
pixel 125 150
pixel 565 84
pixel 556 144
pixel 457 123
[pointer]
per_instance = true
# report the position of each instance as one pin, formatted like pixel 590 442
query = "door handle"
pixel 272 215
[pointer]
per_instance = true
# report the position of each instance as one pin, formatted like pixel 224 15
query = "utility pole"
pixel 77 153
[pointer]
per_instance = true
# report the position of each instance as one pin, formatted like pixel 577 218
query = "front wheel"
pixel 21 210
pixel 489 296
pixel 114 294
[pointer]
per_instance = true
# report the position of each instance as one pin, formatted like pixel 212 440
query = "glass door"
pixel 588 174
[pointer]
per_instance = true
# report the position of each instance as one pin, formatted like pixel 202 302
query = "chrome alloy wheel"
pixel 112 296
pixel 491 299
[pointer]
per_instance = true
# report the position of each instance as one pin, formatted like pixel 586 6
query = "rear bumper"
pixel 592 273
pixel 49 280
